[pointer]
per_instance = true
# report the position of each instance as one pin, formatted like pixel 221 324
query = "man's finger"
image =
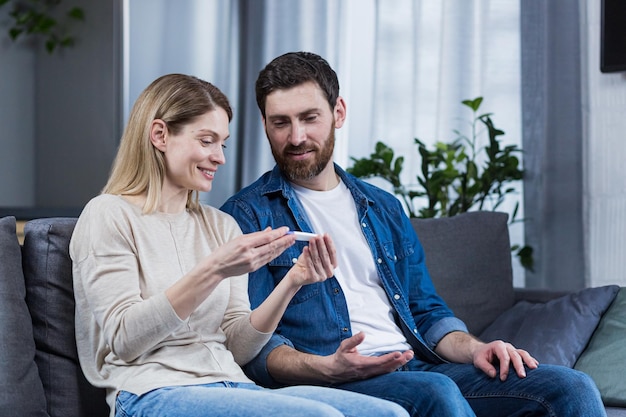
pixel 352 342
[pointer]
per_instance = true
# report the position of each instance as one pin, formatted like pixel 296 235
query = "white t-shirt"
pixel 334 212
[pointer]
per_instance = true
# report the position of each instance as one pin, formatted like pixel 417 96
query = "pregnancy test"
pixel 303 236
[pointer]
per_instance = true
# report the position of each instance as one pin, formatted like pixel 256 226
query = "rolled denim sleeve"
pixel 256 369
pixel 441 328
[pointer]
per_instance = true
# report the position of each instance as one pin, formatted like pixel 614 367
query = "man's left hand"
pixel 505 354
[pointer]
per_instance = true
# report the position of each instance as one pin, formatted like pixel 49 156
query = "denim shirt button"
pixel 363 224
pixel 345 329
pixel 415 331
pixel 380 261
pixel 396 296
pixel 336 290
pixel 294 260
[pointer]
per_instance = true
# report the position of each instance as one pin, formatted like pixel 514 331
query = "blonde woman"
pixel 163 320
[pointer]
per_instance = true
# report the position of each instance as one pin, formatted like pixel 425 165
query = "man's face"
pixel 300 127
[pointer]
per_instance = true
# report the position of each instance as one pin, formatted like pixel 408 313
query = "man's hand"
pixel 347 364
pixel 464 348
pixel 290 366
pixel 505 354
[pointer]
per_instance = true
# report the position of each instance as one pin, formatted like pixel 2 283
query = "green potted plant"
pixel 455 177
pixel 43 18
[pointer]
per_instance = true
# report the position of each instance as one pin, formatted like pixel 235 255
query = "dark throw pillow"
pixel 555 332
pixel 21 391
pixel 604 358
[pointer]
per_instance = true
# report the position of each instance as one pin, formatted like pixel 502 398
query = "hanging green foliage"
pixel 43 18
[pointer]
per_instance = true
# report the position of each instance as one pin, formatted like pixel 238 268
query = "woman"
pixel 163 320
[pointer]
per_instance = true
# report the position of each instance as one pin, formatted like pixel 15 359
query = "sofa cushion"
pixel 21 392
pixel 469 260
pixel 604 358
pixel 555 332
pixel 50 296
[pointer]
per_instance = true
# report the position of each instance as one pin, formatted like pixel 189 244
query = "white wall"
pixel 604 152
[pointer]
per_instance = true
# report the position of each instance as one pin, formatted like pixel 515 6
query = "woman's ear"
pixel 158 134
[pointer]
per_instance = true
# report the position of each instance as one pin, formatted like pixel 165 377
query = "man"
pixel 377 327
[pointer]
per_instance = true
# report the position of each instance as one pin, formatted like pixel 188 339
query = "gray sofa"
pixel 468 256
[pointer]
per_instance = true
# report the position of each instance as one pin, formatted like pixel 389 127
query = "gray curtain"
pixel 552 143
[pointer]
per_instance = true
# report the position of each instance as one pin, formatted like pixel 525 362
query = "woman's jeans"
pixel 237 399
pixel 463 390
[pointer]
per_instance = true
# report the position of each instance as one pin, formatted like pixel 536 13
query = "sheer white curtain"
pixel 407 66
pixel 411 62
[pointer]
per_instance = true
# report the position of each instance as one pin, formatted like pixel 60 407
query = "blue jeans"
pixel 463 390
pixel 235 399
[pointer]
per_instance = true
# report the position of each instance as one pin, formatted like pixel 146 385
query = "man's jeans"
pixel 249 400
pixel 463 390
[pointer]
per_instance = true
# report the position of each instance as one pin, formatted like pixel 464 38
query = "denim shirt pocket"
pixel 397 251
pixel 283 263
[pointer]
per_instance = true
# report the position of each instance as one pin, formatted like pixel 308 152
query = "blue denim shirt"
pixel 317 320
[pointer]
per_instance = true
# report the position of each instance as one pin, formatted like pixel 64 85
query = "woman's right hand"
pixel 239 256
pixel 249 252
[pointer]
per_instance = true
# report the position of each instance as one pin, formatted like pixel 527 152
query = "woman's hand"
pixel 239 256
pixel 249 252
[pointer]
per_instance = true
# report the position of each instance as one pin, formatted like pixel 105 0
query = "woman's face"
pixel 193 155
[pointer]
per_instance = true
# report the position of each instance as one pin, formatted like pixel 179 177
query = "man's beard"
pixel 308 169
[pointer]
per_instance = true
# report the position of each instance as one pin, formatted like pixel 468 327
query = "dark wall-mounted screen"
pixel 613 36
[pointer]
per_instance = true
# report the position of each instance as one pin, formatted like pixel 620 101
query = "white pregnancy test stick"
pixel 303 236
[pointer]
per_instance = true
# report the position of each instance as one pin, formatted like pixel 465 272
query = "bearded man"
pixel 377 326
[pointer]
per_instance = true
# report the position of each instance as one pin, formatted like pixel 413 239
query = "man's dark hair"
pixel 295 68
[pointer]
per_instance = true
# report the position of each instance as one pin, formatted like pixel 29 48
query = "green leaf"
pixel 387 156
pixel 397 169
pixel 76 13
pixel 525 256
pixel 51 45
pixel 44 24
pixel 15 32
pixel 473 104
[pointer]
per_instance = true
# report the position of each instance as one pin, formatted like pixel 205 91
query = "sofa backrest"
pixel 468 257
pixel 21 391
pixel 469 260
pixel 50 297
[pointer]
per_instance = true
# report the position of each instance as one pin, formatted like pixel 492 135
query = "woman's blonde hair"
pixel 139 167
